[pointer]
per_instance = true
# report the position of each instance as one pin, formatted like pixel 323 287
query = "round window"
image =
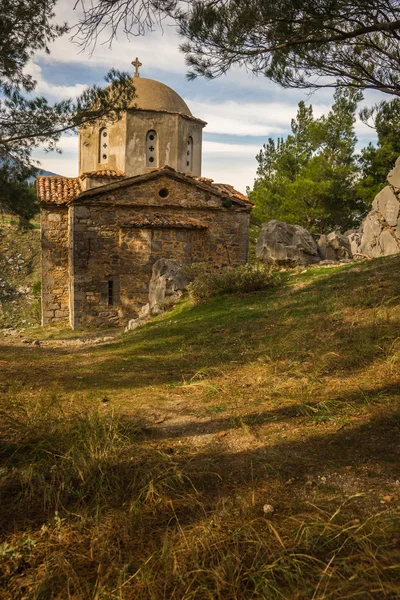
pixel 104 156
pixel 104 133
pixel 151 136
pixel 163 193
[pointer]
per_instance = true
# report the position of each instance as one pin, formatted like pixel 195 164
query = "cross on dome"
pixel 136 63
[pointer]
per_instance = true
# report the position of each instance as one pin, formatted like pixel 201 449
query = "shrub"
pixel 37 289
pixel 249 278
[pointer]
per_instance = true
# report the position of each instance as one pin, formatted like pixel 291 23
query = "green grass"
pixel 288 397
pixel 19 274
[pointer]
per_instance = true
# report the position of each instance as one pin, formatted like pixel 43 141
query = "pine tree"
pixel 375 162
pixel 27 122
pixel 308 178
pixel 308 44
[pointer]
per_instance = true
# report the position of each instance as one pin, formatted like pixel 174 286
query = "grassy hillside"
pixel 19 274
pixel 247 448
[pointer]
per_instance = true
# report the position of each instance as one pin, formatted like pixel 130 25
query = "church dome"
pixel 154 95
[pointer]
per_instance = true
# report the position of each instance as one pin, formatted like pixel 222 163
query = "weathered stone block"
pixel 394 175
pixel 286 244
pixel 49 314
pixel 61 314
pixel 388 205
pixel 371 231
pixel 54 217
pixel 388 243
pixel 326 252
pixel 54 306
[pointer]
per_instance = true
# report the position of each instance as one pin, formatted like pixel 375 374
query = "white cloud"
pixel 53 92
pixel 65 164
pixel 247 119
pixel 156 49
pixel 226 149
pixel 230 163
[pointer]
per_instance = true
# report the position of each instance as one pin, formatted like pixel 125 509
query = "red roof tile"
pixel 157 221
pixel 230 191
pixel 57 190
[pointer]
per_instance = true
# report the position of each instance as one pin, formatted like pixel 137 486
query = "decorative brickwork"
pixel 106 173
pixel 160 221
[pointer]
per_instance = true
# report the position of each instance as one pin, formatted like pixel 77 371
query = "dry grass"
pixel 146 467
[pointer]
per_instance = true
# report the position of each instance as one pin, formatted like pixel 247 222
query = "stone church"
pixel 139 197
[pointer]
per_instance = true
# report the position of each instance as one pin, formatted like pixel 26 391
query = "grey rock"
pixel 377 240
pixel 394 175
pixel 36 343
pixel 340 244
pixel 354 238
pixel 388 205
pixel 287 245
pixel 325 250
pixel 371 231
pixel 167 283
pixel 334 246
pixel 388 243
pixel 132 324
pixel 144 312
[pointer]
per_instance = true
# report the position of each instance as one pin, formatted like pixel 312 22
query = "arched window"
pixel 151 149
pixel 103 145
pixel 189 154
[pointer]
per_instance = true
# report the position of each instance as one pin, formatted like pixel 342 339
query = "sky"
pixel 242 111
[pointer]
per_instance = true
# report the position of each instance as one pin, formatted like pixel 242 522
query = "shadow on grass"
pixel 335 406
pixel 303 325
pixel 126 473
pixel 90 491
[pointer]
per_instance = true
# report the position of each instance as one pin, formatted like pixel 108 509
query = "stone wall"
pixel 55 289
pixel 112 260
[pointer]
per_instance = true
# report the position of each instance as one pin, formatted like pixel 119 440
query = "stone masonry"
pixel 99 247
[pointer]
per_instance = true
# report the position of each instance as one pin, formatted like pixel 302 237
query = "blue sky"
pixel 241 110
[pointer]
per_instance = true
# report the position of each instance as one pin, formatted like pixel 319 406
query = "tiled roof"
pixel 57 190
pixel 230 191
pixel 157 221
pixel 107 173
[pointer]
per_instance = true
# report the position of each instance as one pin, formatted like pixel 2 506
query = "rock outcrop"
pixel 168 281
pixel 380 230
pixel 334 246
pixel 286 245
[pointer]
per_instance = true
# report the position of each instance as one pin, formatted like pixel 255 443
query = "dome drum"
pixel 159 130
